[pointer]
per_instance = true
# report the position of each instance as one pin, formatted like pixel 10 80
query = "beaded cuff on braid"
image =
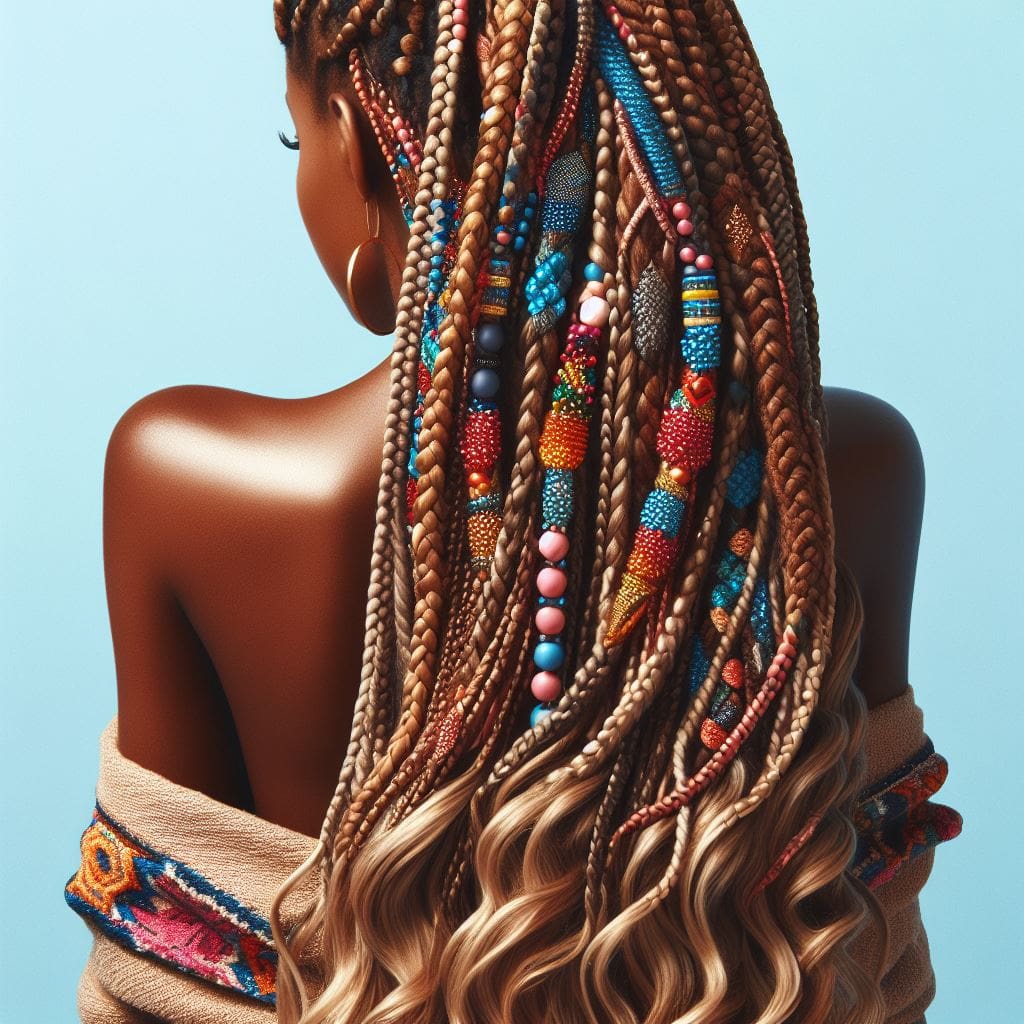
pixel 481 439
pixel 688 423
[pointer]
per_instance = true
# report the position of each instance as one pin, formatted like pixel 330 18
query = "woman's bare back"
pixel 237 534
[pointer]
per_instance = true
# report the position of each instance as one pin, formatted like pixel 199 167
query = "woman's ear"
pixel 350 141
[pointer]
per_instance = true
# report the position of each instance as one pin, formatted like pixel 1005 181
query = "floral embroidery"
pixel 164 909
pixel 895 819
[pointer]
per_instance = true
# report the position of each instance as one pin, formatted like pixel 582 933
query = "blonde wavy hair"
pixel 668 838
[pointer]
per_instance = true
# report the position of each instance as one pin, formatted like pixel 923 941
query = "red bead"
pixel 685 438
pixel 481 443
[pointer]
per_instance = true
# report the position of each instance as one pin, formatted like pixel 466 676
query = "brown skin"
pixel 237 532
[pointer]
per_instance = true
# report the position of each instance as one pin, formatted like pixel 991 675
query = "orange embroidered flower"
pixel 106 871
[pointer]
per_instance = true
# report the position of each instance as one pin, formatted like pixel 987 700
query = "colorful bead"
pixel 546 686
pixel 557 497
pixel 662 511
pixel 650 304
pixel 550 620
pixel 594 312
pixel 551 582
pixel 744 483
pixel 563 441
pixel 481 440
pixel 548 655
pixel 652 552
pixel 554 545
pixel 686 434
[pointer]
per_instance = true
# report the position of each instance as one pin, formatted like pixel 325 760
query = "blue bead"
pixel 490 336
pixel 689 270
pixel 538 713
pixel 485 383
pixel 592 272
pixel 548 656
pixel 662 511
pixel 519 244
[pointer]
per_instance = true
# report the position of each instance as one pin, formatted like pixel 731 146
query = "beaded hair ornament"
pixel 554 144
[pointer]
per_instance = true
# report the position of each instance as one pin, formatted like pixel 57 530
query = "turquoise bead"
pixel 592 272
pixel 548 655
pixel 538 713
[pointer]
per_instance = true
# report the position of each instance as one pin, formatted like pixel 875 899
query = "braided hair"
pixel 604 613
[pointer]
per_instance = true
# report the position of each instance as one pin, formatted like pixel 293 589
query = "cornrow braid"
pixel 604 749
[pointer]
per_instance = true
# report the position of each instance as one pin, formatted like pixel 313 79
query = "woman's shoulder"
pixel 201 434
pixel 237 532
pixel 877 482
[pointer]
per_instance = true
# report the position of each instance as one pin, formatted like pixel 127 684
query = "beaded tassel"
pixel 566 430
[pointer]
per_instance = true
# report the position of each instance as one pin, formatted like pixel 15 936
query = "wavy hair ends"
pixel 669 842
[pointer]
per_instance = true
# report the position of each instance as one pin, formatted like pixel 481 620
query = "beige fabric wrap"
pixel 250 858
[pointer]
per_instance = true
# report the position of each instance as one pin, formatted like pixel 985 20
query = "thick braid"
pixel 758 139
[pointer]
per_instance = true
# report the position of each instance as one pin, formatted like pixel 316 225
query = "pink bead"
pixel 459 31
pixel 688 254
pixel 554 546
pixel 681 210
pixel 550 620
pixel 551 582
pixel 403 135
pixel 546 686
pixel 594 311
pixel 461 17
pixel 705 262
pixel 685 227
pixel 504 237
pixel 624 32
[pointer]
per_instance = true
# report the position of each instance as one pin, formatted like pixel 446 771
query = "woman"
pixel 632 737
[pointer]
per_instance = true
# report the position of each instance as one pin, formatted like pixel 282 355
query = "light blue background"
pixel 151 237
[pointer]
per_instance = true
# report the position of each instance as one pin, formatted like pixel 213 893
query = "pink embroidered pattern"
pixel 163 909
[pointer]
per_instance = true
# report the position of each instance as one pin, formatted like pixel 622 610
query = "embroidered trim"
pixel 896 821
pixel 163 909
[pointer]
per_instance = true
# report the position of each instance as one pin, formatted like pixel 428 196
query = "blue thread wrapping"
pixel 624 81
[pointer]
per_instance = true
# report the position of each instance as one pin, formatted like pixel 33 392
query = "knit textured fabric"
pixel 176 887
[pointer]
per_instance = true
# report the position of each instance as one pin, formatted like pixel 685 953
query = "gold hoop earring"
pixel 367 282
